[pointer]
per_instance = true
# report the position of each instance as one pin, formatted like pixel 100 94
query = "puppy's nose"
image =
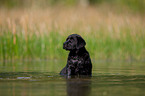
pixel 64 45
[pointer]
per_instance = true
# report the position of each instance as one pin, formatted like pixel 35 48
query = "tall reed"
pixel 39 34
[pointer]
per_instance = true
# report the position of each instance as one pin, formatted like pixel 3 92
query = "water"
pixel 41 78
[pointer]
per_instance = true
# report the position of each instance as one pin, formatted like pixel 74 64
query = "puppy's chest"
pixel 75 60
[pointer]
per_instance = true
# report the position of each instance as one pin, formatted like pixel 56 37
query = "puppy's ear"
pixel 80 42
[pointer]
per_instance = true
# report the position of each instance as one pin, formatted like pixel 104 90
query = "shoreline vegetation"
pixel 40 33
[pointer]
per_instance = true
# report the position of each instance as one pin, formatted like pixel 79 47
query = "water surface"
pixel 41 78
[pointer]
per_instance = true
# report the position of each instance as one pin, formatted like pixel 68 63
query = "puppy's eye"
pixel 71 41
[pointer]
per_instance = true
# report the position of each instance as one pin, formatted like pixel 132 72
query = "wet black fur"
pixel 79 62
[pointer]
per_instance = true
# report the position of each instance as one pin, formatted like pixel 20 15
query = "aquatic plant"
pixel 39 34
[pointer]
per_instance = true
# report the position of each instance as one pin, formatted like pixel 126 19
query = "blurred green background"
pixel 135 5
pixel 36 29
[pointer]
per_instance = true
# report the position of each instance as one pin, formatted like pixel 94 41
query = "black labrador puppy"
pixel 79 62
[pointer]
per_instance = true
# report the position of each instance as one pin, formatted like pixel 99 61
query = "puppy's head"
pixel 74 42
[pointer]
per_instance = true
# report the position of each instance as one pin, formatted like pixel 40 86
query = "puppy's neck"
pixel 78 51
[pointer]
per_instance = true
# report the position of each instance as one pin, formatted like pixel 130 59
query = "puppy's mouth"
pixel 65 46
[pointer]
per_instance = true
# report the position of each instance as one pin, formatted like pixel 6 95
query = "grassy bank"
pixel 50 46
pixel 39 34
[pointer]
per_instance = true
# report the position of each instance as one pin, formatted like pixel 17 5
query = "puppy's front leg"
pixel 71 70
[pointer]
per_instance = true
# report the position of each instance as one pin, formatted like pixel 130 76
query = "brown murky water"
pixel 41 78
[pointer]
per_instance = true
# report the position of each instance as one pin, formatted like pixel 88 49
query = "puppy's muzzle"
pixel 65 45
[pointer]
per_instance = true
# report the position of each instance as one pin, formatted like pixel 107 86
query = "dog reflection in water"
pixel 78 86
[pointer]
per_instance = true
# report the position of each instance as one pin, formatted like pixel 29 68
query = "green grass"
pixel 49 46
pixel 40 33
pixel 46 46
